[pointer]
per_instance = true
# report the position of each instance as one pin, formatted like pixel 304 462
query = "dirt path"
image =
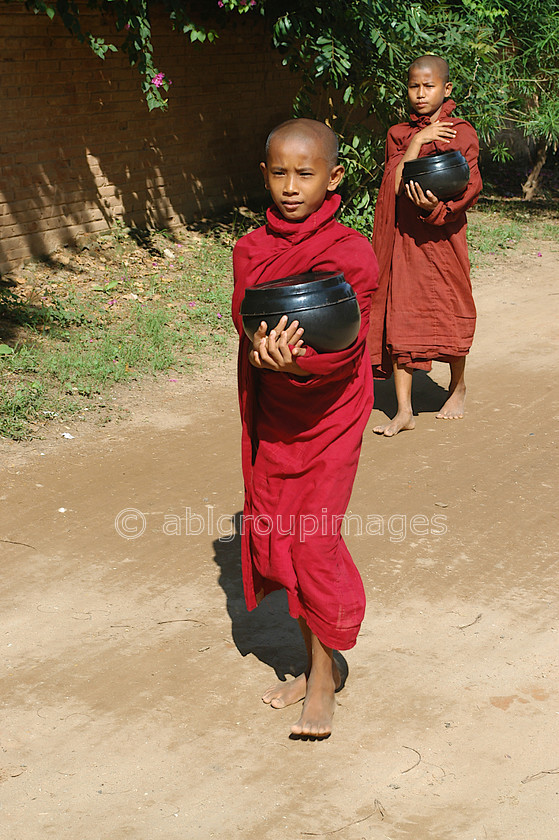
pixel 131 671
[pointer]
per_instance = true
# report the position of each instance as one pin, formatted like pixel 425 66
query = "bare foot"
pixel 287 693
pixel 284 694
pixel 318 709
pixel 403 421
pixel 453 409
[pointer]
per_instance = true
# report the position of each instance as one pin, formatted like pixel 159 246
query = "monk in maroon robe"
pixel 303 416
pixel 424 309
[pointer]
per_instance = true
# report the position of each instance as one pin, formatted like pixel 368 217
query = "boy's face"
pixel 427 91
pixel 298 175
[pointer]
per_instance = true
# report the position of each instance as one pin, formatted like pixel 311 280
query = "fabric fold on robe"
pixel 301 435
pixel 424 308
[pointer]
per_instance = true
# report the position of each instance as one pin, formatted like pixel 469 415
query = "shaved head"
pixel 309 131
pixel 434 63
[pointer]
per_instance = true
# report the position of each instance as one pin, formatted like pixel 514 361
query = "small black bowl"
pixel 446 174
pixel 324 304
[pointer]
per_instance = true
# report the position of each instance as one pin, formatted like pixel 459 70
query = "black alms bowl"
pixel 446 174
pixel 324 304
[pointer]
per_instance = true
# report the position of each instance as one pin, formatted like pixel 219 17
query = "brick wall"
pixel 79 148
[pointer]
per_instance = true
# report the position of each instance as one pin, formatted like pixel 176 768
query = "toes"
pixel 285 693
pixel 383 430
pixel 392 429
pixel 311 730
pixel 273 698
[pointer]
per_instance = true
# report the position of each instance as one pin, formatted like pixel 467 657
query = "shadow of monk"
pixel 269 632
pixel 427 395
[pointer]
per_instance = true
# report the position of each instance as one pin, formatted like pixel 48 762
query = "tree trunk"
pixel 531 184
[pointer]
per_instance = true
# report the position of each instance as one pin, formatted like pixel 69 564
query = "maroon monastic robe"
pixel 424 309
pixel 301 437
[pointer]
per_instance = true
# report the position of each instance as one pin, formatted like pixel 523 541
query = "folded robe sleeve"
pixel 452 209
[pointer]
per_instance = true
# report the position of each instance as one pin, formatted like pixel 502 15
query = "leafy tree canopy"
pixel 503 54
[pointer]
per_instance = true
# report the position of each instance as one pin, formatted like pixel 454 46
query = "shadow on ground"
pixel 427 395
pixel 269 632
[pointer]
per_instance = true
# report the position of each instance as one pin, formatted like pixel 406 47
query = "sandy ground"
pixel 131 672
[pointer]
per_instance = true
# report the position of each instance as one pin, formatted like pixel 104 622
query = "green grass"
pixel 488 239
pixel 495 226
pixel 550 231
pixel 77 340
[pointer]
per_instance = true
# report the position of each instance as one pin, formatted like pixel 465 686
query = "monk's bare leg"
pixel 404 418
pixel 319 704
pixel 284 694
pixel 453 409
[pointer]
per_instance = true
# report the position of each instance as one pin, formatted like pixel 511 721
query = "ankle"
pixel 323 676
pixel 458 387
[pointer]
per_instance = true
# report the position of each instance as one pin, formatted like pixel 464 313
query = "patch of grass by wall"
pixel 116 311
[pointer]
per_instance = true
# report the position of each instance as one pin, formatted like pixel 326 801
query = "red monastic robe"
pixel 301 437
pixel 424 309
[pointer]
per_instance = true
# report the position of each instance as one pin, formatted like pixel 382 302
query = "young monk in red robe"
pixel 424 309
pixel 303 416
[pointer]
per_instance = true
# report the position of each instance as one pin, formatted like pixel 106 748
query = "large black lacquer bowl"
pixel 324 304
pixel 446 174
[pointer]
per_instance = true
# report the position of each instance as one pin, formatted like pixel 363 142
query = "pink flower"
pixel 158 80
pixel 220 3
pixel 539 253
pixel 192 303
pixel 219 314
